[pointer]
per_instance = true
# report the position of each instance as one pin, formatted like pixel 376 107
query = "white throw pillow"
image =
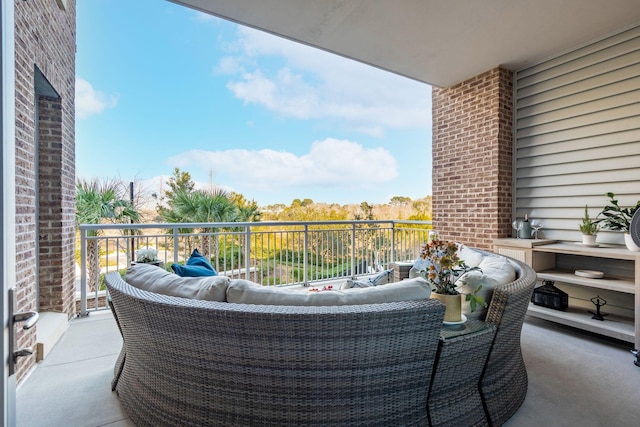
pixel 154 279
pixel 470 256
pixel 246 292
pixel 496 271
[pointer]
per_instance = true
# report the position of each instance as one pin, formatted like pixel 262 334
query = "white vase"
pixel 589 239
pixel 631 245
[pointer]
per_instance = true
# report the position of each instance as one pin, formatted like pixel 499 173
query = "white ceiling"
pixel 440 42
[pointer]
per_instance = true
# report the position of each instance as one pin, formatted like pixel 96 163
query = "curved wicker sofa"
pixel 192 362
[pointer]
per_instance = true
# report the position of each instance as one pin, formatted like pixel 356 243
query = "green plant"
pixel 444 269
pixel 588 226
pixel 615 217
pixel 147 254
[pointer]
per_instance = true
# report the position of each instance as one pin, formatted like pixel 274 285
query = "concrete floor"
pixel 575 379
pixel 72 386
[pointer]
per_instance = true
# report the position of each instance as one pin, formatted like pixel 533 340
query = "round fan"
pixel 634 228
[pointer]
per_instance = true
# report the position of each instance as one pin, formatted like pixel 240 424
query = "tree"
pixel 248 211
pixel 99 202
pixel 217 205
pixel 422 209
pixel 399 201
pixel 179 182
pixel 366 212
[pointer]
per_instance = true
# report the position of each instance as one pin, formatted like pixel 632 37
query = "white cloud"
pixel 308 83
pixel 329 163
pixel 90 101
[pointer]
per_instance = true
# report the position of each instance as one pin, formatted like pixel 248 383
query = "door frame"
pixel 7 201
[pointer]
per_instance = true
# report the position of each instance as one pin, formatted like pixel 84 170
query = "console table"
pixel 558 261
pixel 454 398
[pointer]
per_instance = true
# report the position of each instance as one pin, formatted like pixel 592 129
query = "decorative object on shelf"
pixel 517 225
pixel 525 230
pixel 536 225
pixel 589 229
pixel 442 266
pixel 619 219
pixel 549 296
pixel 598 302
pixel 590 274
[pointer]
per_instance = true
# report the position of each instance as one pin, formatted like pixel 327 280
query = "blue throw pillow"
pixel 197 266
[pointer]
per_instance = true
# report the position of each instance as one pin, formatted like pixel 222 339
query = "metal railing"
pixel 270 253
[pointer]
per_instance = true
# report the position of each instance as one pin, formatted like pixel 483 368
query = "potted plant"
pixel 442 267
pixel 147 255
pixel 589 229
pixel 619 219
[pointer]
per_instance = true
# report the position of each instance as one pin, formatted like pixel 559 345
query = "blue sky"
pixel 160 86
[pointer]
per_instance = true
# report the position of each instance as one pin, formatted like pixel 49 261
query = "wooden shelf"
pixel 613 326
pixel 620 286
pixel 608 282
pixel 575 248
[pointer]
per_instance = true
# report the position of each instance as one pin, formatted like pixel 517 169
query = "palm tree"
pixel 204 207
pixel 98 202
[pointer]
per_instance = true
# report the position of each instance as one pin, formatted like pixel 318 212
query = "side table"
pixel 454 398
pixel 400 270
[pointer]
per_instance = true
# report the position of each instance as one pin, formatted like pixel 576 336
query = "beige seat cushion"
pixel 154 279
pixel 247 292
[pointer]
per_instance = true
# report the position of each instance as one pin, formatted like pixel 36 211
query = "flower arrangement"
pixel 147 254
pixel 443 267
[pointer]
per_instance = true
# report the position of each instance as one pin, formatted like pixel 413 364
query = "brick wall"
pixel 45 38
pixel 55 213
pixel 472 158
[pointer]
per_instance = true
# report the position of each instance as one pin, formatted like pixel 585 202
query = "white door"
pixel 7 220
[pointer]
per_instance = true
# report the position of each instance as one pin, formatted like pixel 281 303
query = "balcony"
pixel 269 253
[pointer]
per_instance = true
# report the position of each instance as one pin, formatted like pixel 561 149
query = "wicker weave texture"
pixel 454 399
pixel 504 383
pixel 196 363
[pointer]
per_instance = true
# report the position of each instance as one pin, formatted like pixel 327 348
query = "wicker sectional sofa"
pixel 200 363
pixel 194 362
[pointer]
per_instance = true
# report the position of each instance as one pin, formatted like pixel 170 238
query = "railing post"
pixel 247 252
pixel 176 244
pixel 305 256
pixel 393 241
pixel 353 250
pixel 83 273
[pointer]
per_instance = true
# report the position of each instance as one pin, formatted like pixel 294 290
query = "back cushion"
pixel 245 292
pixel 154 279
pixel 470 256
pixel 496 271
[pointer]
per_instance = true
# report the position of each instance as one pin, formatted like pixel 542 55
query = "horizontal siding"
pixel 577 134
